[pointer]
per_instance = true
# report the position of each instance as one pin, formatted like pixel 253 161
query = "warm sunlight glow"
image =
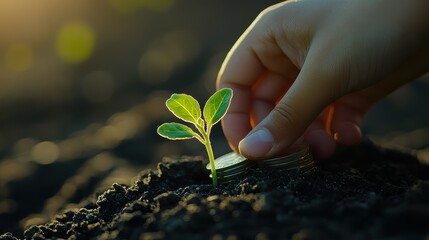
pixel 75 42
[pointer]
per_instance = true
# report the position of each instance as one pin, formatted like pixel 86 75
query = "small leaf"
pixel 200 122
pixel 184 107
pixel 217 105
pixel 175 131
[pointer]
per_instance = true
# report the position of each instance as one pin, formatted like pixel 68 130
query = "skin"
pixel 300 57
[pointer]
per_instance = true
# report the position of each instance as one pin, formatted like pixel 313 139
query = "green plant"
pixel 188 109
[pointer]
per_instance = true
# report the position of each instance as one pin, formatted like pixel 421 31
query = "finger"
pixel 320 141
pixel 346 122
pixel 236 122
pixel 267 91
pixel 351 109
pixel 254 54
pixel 338 123
pixel 347 133
pixel 240 70
pixel 307 97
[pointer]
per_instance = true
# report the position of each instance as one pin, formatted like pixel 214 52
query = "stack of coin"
pixel 302 159
pixel 230 166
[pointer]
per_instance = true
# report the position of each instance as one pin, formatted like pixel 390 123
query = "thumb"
pixel 307 97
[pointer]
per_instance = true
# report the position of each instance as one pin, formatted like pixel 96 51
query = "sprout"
pixel 188 109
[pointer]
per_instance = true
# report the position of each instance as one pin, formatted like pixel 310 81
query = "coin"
pixel 297 159
pixel 231 165
pixel 290 166
pixel 292 156
pixel 293 162
pixel 281 160
pixel 236 168
pixel 228 160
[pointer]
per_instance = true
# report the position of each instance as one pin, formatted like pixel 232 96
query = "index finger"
pixel 240 70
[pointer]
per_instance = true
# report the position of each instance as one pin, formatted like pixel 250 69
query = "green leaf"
pixel 217 105
pixel 200 122
pixel 175 131
pixel 184 107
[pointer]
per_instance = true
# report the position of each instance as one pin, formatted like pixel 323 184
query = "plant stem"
pixel 207 143
pixel 211 159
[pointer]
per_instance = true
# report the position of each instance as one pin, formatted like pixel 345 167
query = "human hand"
pixel 297 58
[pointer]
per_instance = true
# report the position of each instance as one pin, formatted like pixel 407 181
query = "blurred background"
pixel 83 86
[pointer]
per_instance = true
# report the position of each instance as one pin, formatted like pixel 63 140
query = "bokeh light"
pixel 45 152
pixel 101 162
pixel 108 137
pixel 18 57
pixel 24 146
pixel 75 42
pixel 126 123
pixel 11 169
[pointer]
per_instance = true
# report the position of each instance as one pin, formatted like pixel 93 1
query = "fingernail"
pixel 257 144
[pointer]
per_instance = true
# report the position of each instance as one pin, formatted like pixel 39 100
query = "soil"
pixel 365 192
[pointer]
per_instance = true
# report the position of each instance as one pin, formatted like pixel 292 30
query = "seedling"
pixel 188 109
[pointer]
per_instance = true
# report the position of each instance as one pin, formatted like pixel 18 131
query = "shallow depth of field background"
pixel 83 85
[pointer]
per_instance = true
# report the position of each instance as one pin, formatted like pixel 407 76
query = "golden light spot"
pixel 108 137
pixel 127 6
pixel 68 189
pixel 127 124
pixel 102 162
pixel 24 145
pixel 45 152
pixel 11 170
pixel 75 42
pixel 18 57
pixel 69 149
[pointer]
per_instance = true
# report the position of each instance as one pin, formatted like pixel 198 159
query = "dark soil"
pixel 365 192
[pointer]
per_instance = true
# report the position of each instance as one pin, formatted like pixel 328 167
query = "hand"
pixel 299 57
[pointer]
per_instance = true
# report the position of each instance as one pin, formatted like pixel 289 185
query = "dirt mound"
pixel 364 192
